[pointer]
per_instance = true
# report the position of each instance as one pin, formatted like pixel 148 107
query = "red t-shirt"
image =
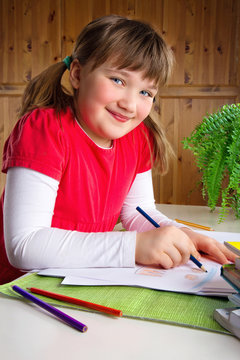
pixel 93 181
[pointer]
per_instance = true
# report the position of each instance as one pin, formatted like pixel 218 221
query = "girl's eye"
pixel 117 81
pixel 146 93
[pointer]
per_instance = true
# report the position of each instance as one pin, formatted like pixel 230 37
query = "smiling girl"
pixel 77 161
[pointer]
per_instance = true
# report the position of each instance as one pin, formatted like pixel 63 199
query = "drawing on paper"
pixel 151 271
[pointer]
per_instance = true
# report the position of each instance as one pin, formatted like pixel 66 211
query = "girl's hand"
pixel 211 247
pixel 166 246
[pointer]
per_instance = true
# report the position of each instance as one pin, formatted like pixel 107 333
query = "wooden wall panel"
pixel 31 38
pixel 46 34
pixel 9 106
pixel 75 15
pixel 203 34
pixel 14 52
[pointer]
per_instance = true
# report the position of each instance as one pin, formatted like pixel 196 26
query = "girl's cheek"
pixel 104 90
pixel 144 111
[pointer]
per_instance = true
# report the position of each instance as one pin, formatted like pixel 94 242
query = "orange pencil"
pixel 194 225
pixel 72 300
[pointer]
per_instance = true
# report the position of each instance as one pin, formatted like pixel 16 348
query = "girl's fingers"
pixel 165 261
pixel 174 257
pixel 223 255
pixel 218 252
pixel 219 256
pixel 211 247
pixel 229 254
pixel 166 246
pixel 185 249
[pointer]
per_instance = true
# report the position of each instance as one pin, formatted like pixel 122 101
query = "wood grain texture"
pixel 203 34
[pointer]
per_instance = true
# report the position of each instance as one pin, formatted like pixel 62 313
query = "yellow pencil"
pixel 195 225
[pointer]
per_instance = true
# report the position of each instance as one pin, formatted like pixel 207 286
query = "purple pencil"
pixel 61 315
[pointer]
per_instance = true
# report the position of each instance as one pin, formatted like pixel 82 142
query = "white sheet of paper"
pixel 188 278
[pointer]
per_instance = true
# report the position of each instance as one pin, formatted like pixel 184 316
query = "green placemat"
pixel 162 306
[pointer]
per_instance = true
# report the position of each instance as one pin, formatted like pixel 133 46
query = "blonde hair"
pixel 129 44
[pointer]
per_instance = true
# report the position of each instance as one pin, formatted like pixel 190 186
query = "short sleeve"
pixel 37 142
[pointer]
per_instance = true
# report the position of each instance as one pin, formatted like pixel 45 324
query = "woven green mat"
pixel 162 306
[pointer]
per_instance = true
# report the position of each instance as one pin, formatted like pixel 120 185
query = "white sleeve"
pixel 31 242
pixel 141 194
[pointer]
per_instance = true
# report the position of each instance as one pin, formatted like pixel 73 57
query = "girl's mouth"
pixel 118 117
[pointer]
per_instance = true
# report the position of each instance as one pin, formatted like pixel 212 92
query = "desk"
pixel 28 333
pixel 201 215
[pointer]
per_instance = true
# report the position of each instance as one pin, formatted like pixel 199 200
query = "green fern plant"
pixel 216 146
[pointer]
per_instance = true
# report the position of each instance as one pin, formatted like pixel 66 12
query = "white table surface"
pixel 28 332
pixel 201 215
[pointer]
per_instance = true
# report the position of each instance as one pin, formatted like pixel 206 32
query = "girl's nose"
pixel 128 103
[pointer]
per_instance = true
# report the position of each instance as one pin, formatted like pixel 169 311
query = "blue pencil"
pixel 61 315
pixel 154 223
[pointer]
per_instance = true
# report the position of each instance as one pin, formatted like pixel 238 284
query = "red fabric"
pixel 93 181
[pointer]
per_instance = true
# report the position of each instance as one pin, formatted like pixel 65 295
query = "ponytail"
pixel 162 149
pixel 46 90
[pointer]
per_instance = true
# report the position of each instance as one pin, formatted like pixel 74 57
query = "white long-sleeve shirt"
pixel 31 242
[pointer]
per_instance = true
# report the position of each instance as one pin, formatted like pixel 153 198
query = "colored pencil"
pixel 72 300
pixel 194 225
pixel 61 315
pixel 153 222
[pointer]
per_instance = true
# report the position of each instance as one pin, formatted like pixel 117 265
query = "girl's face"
pixel 110 102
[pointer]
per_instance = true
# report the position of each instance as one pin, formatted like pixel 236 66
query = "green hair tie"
pixel 67 61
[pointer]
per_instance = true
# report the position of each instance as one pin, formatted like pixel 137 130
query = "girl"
pixel 77 161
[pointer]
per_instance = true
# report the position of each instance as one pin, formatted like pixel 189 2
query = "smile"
pixel 118 116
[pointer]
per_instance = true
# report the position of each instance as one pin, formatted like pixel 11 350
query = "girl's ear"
pixel 75 72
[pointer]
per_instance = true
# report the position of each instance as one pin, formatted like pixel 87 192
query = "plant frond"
pixel 215 144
